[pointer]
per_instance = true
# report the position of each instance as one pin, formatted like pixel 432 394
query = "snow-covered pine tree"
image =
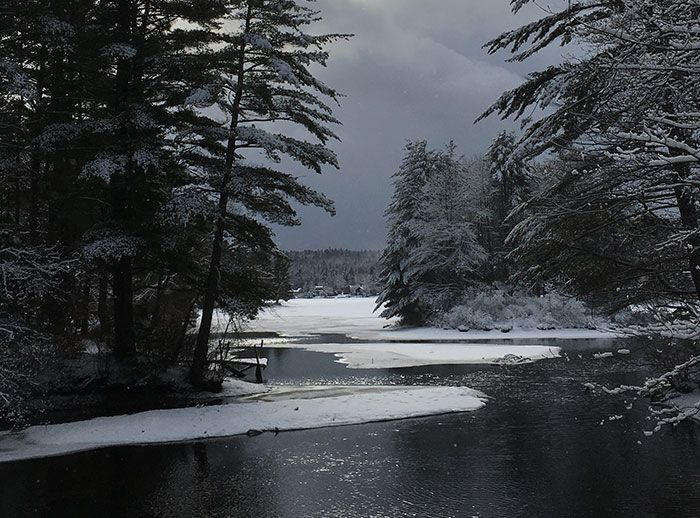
pixel 267 91
pixel 148 54
pixel 39 85
pixel 446 257
pixel 398 297
pixel 511 178
pixel 94 93
pixel 621 217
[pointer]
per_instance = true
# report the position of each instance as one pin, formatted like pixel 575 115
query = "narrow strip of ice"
pixel 397 355
pixel 296 409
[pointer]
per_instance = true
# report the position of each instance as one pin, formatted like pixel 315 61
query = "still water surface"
pixel 543 447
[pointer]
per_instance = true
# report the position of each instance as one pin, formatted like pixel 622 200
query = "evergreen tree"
pixel 148 57
pixel 620 217
pixel 115 166
pixel 510 177
pixel 264 79
pixel 398 297
pixel 446 256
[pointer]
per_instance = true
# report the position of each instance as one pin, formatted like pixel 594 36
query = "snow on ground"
pixel 354 317
pixel 232 387
pixel 303 317
pixel 288 408
pixel 396 355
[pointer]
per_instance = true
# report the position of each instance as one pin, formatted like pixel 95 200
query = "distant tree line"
pixel 334 271
pixel 132 197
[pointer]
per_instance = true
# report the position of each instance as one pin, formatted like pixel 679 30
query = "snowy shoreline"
pixel 394 355
pixel 270 408
pixel 355 318
pixel 277 409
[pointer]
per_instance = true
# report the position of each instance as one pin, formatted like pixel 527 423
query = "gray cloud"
pixel 414 70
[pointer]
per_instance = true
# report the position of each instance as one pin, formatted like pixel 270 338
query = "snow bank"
pixel 232 387
pixel 283 409
pixel 433 333
pixel 354 317
pixel 395 355
pixel 302 317
pixel 495 308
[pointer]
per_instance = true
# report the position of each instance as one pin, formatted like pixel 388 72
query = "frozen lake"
pixel 541 447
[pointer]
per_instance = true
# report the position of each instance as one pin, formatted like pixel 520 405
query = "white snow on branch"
pixel 104 167
pixel 256 40
pixel 200 98
pixel 112 247
pixel 120 51
pixel 284 71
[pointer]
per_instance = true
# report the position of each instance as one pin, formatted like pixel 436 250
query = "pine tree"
pixel 398 296
pixel 93 137
pixel 511 178
pixel 147 63
pixel 265 80
pixel 446 257
pixel 621 216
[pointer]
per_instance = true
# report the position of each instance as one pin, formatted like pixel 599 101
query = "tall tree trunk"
pixel 182 334
pixel 85 307
pixel 124 334
pixel 34 200
pixel 211 288
pixel 156 311
pixel 18 192
pixel 689 216
pixel 122 275
pixel 102 310
pixel 686 200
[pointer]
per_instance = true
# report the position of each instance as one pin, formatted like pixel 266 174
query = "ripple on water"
pixel 542 446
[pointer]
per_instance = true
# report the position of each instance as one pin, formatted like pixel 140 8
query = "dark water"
pixel 542 447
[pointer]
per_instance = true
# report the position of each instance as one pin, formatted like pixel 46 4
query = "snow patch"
pixel 687 404
pixel 600 356
pixel 355 317
pixel 398 355
pixel 284 409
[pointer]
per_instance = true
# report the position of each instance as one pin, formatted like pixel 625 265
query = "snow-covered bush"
pixel 465 316
pixel 500 309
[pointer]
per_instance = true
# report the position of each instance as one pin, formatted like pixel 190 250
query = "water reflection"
pixel 542 447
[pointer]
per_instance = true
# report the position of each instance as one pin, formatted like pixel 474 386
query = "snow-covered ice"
pixel 395 355
pixel 602 356
pixel 355 317
pixel 283 408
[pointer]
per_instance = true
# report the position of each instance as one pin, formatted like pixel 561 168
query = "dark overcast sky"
pixel 414 70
